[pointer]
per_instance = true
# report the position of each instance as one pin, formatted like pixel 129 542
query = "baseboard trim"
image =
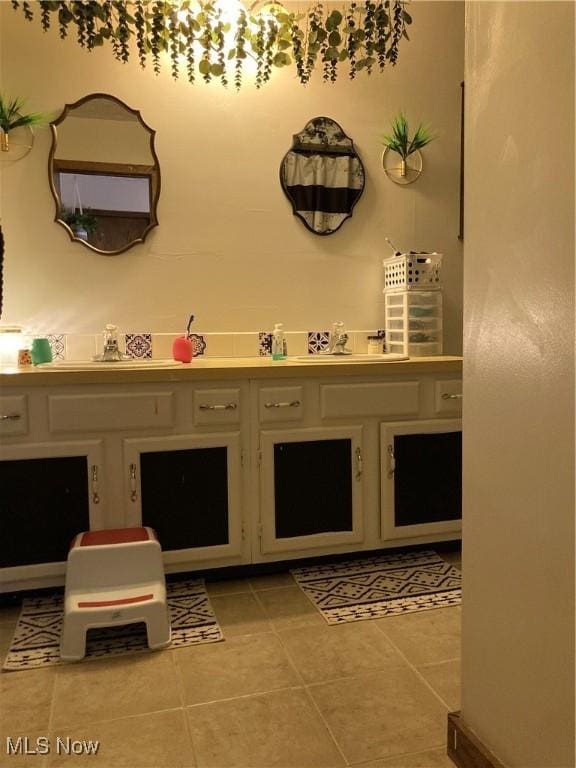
pixel 465 748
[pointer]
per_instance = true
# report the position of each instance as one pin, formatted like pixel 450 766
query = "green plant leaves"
pixel 399 140
pixel 366 33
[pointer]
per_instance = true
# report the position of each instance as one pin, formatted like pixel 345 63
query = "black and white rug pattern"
pixel 36 641
pixel 375 587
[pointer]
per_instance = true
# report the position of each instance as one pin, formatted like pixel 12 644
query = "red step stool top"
pixel 113 536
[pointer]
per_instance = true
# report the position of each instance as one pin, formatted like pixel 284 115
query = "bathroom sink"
pixel 353 358
pixel 93 365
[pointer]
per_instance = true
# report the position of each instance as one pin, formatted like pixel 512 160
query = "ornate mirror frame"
pixel 152 172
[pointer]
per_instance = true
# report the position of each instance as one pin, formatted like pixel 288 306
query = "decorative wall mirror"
pixel 104 174
pixel 322 176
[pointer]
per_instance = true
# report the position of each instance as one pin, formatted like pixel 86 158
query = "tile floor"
pixel 285 690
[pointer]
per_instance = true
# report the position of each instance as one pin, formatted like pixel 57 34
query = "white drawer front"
pixel 280 404
pixel 392 399
pixel 448 397
pixel 13 415
pixel 216 406
pixel 75 413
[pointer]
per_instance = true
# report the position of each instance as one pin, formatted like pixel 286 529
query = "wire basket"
pixel 409 271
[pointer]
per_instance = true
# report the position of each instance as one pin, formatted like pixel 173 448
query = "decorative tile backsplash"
pixel 264 343
pixel 139 345
pixel 159 345
pixel 57 345
pixel 318 341
pixel 198 344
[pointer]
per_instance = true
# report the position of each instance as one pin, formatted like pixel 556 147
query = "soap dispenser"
pixel 279 350
pixel 182 347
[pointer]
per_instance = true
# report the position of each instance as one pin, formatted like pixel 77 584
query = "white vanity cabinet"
pixel 311 482
pixel 48 493
pixel 308 477
pixel 231 466
pixel 421 478
pixel 165 455
pixel 189 489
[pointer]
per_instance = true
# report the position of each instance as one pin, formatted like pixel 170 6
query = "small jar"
pixel 375 345
pixel 24 358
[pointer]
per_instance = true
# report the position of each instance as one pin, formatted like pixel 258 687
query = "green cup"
pixel 41 351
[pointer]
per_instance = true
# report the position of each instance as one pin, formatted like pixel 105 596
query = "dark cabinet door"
pixel 421 477
pixel 427 478
pixel 185 496
pixel 44 503
pixel 312 487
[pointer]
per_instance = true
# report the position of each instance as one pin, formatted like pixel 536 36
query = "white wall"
pixel 518 607
pixel 228 247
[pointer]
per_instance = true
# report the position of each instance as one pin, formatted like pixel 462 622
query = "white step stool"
pixel 114 577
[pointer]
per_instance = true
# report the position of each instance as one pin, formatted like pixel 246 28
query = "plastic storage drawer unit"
pixel 414 323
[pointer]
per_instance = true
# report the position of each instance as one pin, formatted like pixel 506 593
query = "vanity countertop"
pixel 226 368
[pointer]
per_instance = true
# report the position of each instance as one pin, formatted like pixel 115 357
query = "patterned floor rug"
pixel 375 587
pixel 36 641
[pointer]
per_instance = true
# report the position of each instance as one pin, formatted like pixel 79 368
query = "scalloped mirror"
pixel 104 174
pixel 322 176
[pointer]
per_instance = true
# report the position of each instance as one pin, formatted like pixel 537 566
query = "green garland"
pixel 365 34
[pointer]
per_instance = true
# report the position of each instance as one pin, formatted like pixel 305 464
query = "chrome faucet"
pixel 111 353
pixel 338 340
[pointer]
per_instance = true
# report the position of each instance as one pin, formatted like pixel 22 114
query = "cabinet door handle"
pixel 286 404
pixel 133 493
pixel 218 407
pixel 392 462
pixel 94 484
pixel 446 396
pixel 10 416
pixel 359 463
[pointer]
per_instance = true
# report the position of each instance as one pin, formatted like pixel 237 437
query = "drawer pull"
pixel 359 463
pixel 446 396
pixel 287 404
pixel 218 407
pixel 133 493
pixel 10 416
pixel 392 463
pixel 94 484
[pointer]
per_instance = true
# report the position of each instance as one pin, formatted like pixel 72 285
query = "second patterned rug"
pixel 36 640
pixel 375 587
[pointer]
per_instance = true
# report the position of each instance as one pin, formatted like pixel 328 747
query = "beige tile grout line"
pixel 180 687
pixel 304 685
pixel 415 669
pixel 88 723
pixel 391 757
pixel 180 684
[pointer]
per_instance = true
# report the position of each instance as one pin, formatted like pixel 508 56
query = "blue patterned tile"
pixel 264 344
pixel 57 345
pixel 139 345
pixel 198 344
pixel 318 341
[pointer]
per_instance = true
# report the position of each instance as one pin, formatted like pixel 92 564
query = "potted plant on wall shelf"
pixel 82 223
pixel 399 142
pixel 11 117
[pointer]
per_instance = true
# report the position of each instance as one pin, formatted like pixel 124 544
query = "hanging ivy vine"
pixel 194 36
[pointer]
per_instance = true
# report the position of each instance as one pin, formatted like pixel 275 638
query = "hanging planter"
pixel 199 39
pixel 12 120
pixel 402 161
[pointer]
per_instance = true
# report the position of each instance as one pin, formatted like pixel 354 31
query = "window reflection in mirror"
pixel 104 174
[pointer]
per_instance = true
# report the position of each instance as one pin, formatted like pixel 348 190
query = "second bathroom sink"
pixel 353 358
